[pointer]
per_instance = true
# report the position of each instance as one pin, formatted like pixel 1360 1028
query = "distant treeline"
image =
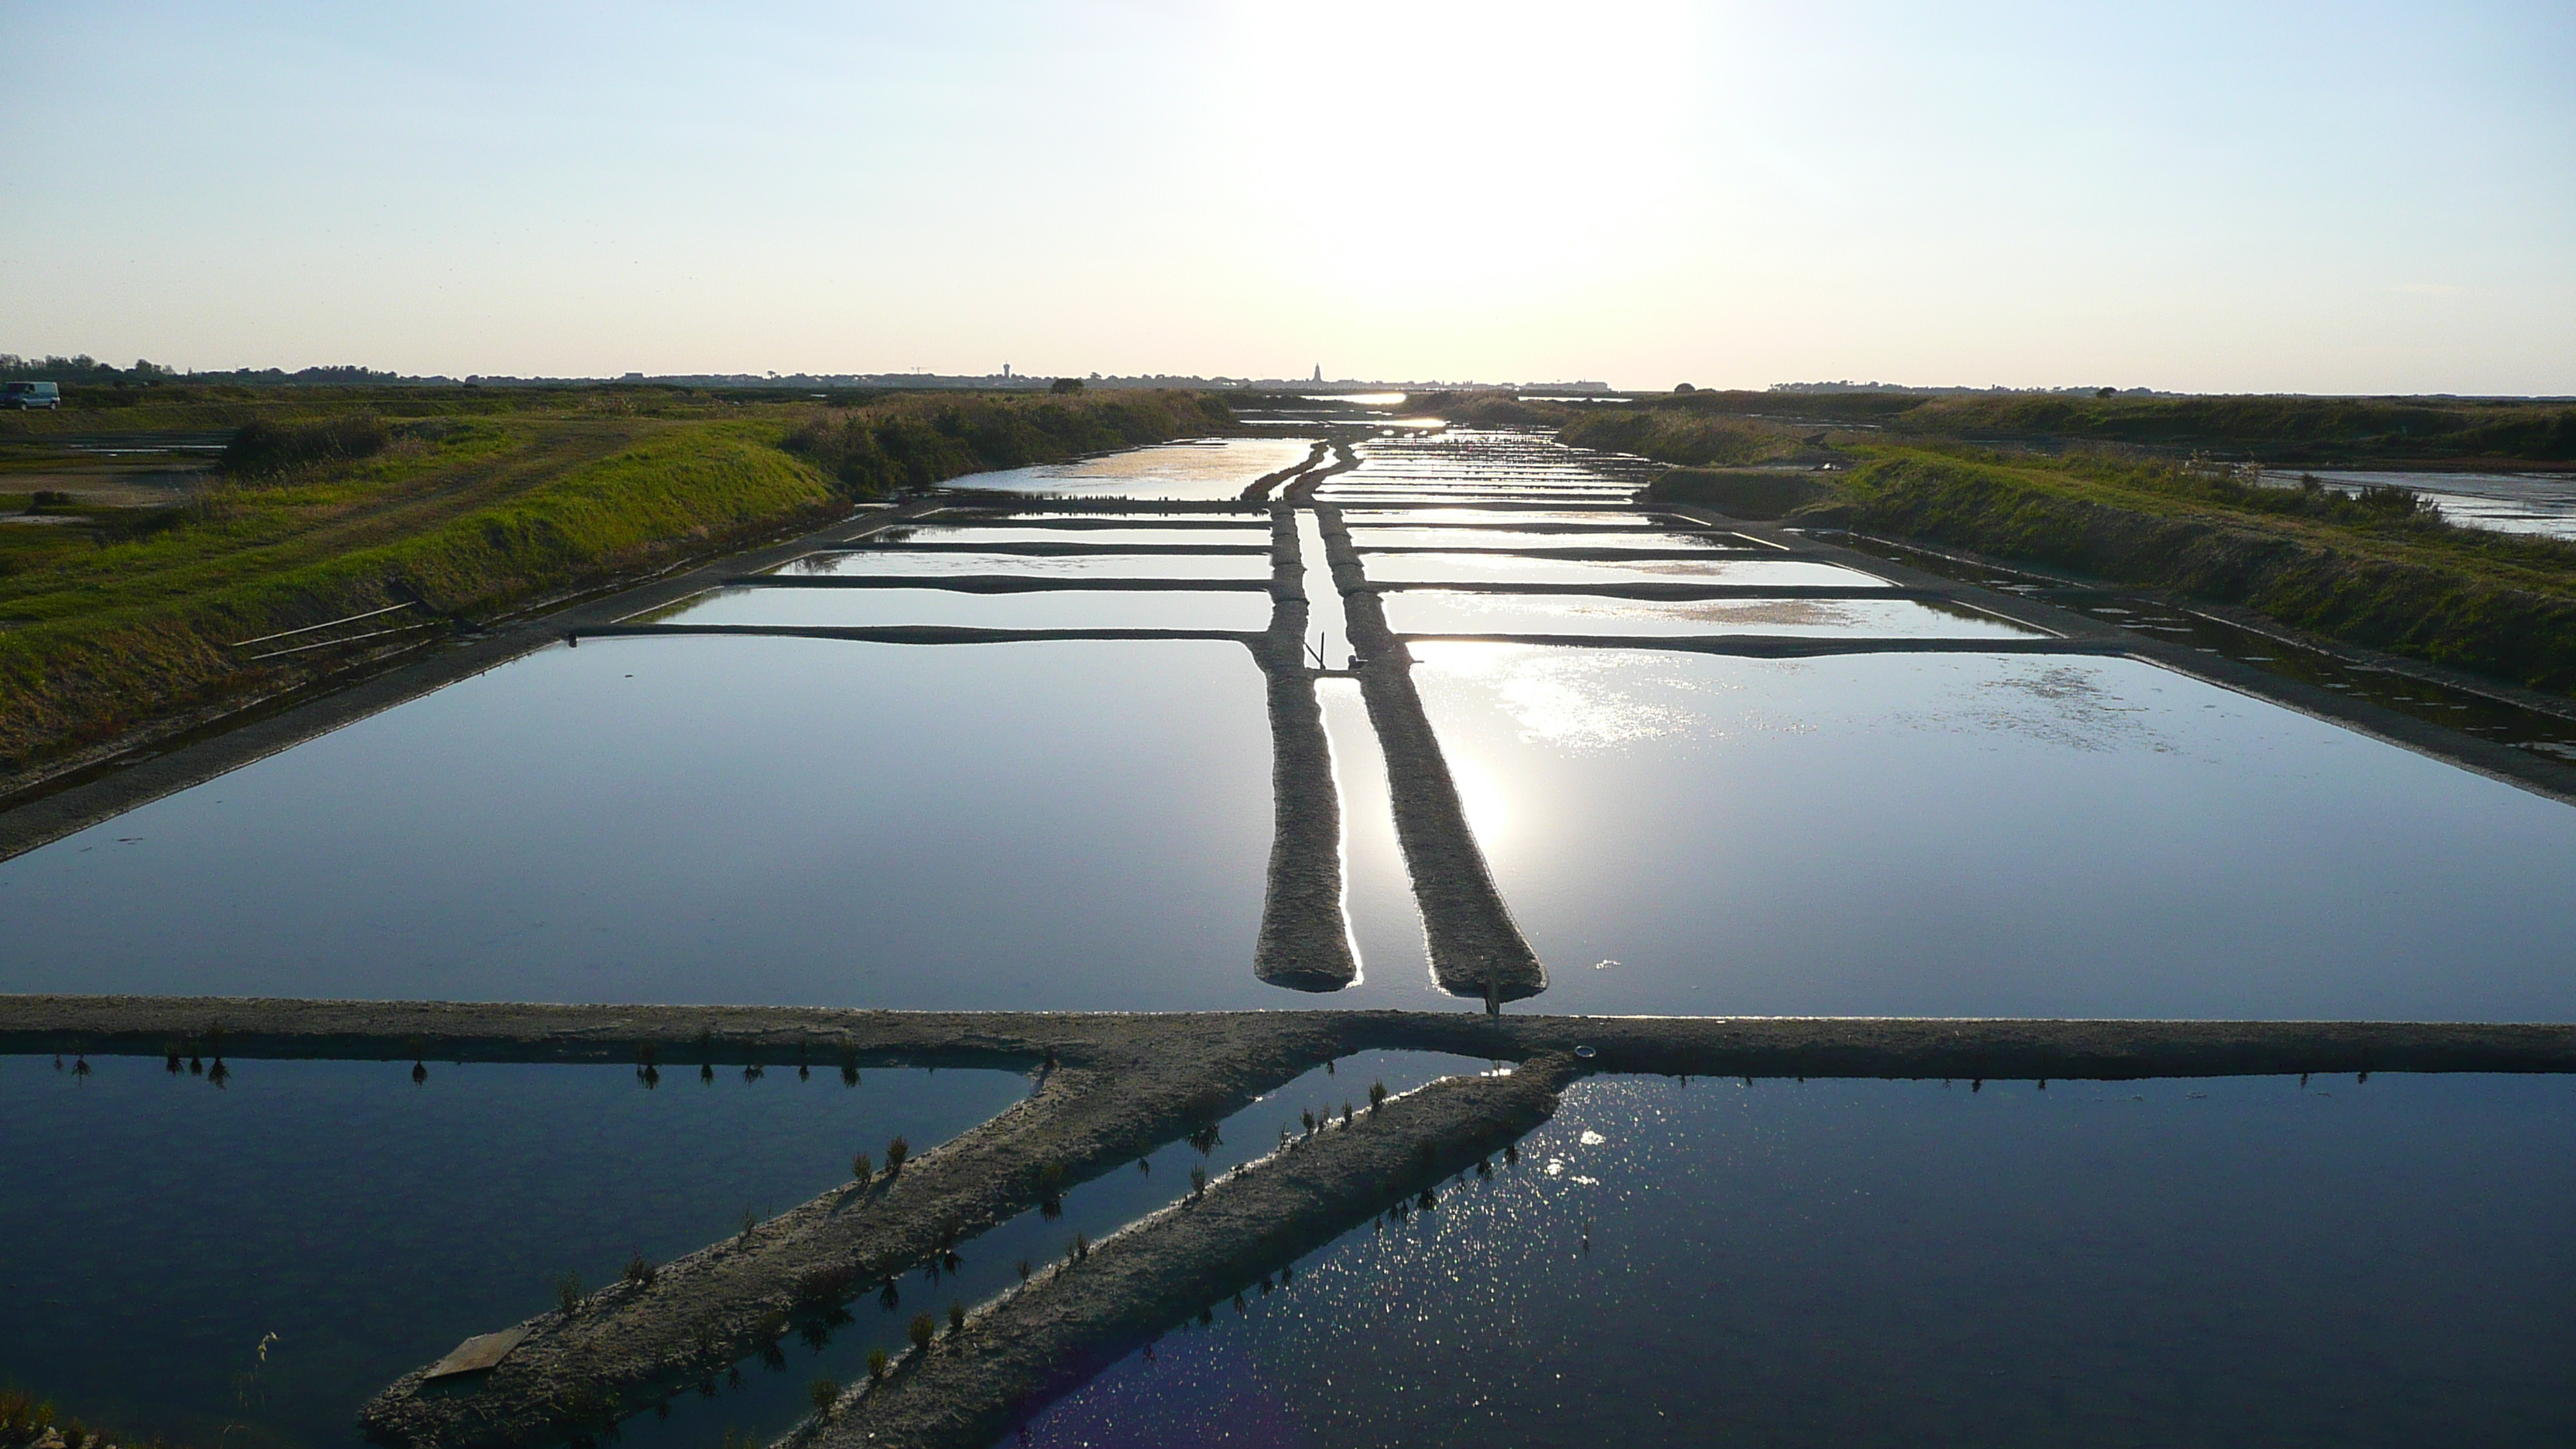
pixel 914 442
pixel 84 369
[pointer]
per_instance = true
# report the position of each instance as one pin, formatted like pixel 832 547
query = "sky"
pixel 2237 197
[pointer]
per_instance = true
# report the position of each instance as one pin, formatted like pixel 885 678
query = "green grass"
pixel 473 504
pixel 2375 573
pixel 2283 431
pixel 1692 439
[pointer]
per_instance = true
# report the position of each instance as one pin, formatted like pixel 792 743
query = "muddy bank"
pixel 1035 1343
pixel 1476 948
pixel 1305 940
pixel 1344 460
pixel 254 1028
pixel 1258 490
pixel 636 1343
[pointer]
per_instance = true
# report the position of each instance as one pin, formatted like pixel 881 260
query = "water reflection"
pixel 1203 469
pixel 1241 611
pixel 904 562
pixel 1442 568
pixel 1987 836
pixel 1432 611
pixel 745 820
pixel 1841 1263
pixel 373 1220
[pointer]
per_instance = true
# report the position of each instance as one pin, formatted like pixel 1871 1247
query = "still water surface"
pixel 372 1225
pixel 1985 836
pixel 1431 611
pixel 1242 611
pixel 1202 469
pixel 1864 1263
pixel 745 820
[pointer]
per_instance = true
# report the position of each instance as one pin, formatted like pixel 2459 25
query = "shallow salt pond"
pixel 1443 516
pixel 1964 835
pixel 1202 469
pixel 1431 611
pixel 161 1228
pixel 1225 535
pixel 1366 538
pixel 905 562
pixel 1400 568
pixel 1903 1263
pixel 1245 610
pixel 737 820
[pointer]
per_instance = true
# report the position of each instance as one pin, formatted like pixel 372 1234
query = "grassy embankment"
pixel 468 505
pixel 2380 570
pixel 2280 432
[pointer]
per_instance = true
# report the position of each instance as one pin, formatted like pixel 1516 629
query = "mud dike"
pixel 1110 1089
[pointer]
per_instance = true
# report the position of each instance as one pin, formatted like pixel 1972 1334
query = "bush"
pixel 921 1331
pixel 261 449
pixel 1063 385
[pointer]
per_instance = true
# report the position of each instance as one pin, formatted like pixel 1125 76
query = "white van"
pixel 25 395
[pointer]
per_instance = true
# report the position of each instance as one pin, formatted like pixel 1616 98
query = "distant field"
pixel 123 596
pixel 2281 432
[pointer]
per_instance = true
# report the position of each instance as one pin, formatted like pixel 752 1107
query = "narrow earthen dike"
pixel 1305 941
pixel 1110 1088
pixel 1476 947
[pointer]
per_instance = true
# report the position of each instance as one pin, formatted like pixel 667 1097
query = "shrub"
pixel 822 1394
pixel 639 1272
pixel 897 1151
pixel 260 448
pixel 860 1168
pixel 956 1319
pixel 876 1364
pixel 568 1294
pixel 825 1286
pixel 921 1331
pixel 1065 385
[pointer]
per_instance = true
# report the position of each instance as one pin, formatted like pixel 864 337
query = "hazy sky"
pixel 2233 197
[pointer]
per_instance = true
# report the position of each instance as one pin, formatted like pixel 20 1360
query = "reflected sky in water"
pixel 906 563
pixel 1477 568
pixel 373 1225
pixel 1365 539
pixel 1963 835
pixel 677 820
pixel 1430 611
pixel 1899 1264
pixel 1201 469
pixel 1244 610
